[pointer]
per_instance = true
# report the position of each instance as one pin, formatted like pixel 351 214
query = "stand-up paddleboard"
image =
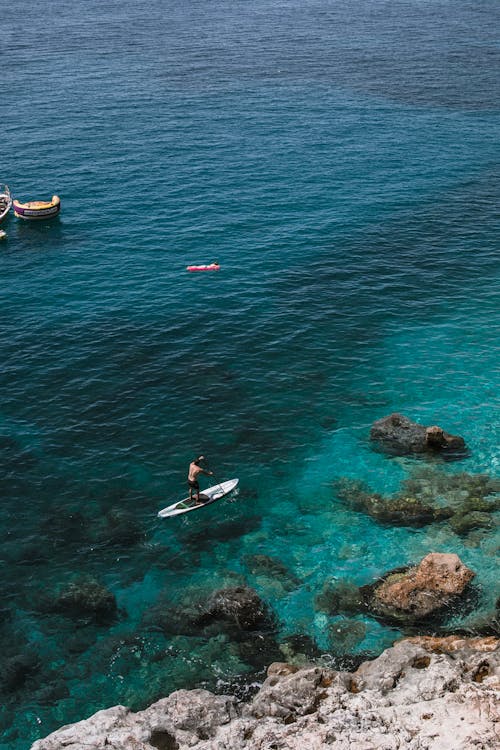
pixel 207 497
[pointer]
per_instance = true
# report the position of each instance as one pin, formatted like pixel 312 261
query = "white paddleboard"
pixel 207 497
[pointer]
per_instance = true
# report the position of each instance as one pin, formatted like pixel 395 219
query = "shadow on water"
pixel 224 531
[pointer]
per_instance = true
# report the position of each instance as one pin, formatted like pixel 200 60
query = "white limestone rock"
pixel 422 694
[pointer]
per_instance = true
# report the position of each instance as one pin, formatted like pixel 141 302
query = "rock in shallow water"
pixel 437 694
pixel 399 436
pixel 422 591
pixel 416 594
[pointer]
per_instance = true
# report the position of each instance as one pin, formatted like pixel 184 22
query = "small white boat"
pixel 5 201
pixel 37 209
pixel 3 234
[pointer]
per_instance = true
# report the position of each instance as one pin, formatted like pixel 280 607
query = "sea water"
pixel 340 161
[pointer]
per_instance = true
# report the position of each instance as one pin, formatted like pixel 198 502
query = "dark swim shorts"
pixel 194 485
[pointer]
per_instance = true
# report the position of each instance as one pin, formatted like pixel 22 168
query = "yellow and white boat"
pixel 37 209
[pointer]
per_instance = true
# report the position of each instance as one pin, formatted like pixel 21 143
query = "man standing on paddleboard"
pixel 194 471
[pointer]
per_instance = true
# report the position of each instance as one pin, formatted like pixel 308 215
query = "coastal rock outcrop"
pixel 406 596
pixel 419 592
pixel 399 436
pixel 437 694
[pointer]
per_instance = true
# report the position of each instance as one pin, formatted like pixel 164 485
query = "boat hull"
pixel 5 201
pixel 37 210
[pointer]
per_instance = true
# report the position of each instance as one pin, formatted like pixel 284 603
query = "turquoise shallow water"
pixel 341 163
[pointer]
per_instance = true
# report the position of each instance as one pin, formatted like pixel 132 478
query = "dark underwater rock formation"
pixel 16 670
pixel 430 693
pixel 340 598
pixel 179 618
pixel 403 511
pixel 345 635
pixel 461 490
pixel 257 649
pixel 120 528
pixel 271 567
pixel 463 523
pixel 399 436
pixel 85 599
pixel 428 496
pixel 398 510
pixel 239 605
pixel 234 610
pixel 299 648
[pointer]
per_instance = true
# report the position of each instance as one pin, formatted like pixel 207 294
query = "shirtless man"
pixel 194 471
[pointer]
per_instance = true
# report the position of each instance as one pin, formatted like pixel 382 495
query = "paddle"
pixel 217 482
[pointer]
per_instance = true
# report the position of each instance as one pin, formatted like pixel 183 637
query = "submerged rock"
pixel 86 599
pixel 299 649
pixel 120 528
pixel 422 693
pixel 404 511
pixel 173 619
pixel 463 523
pixel 51 693
pixel 202 612
pixel 16 670
pixel 240 605
pixel 225 531
pixel 272 568
pixel 399 510
pixel 179 614
pixel 257 649
pixel 340 598
pixel 399 436
pixel 459 488
pixel 344 635
pixel 428 496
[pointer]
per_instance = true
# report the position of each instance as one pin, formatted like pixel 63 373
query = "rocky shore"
pixel 425 693
pixel 435 689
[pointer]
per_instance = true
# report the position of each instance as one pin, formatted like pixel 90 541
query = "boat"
pixel 37 209
pixel 3 234
pixel 205 267
pixel 5 201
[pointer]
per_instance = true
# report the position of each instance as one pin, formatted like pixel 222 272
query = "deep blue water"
pixel 340 161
